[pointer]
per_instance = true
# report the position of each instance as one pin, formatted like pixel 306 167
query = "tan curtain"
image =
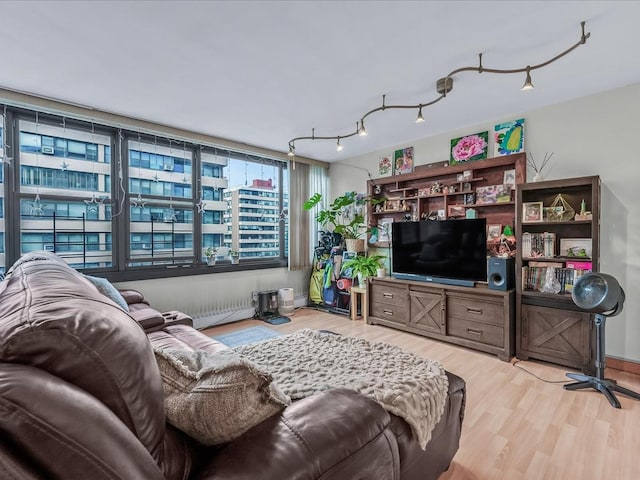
pixel 305 180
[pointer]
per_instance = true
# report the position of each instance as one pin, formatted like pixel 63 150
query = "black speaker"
pixel 500 273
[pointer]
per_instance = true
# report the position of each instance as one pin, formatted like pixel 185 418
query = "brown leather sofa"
pixel 81 398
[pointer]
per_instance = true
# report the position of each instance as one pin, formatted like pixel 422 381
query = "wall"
pixel 595 135
pixel 219 298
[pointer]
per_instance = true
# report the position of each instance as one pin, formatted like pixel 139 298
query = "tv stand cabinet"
pixel 473 317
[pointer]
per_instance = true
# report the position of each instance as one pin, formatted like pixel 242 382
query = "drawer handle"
pixel 387 312
pixel 474 332
pixel 387 295
pixel 477 311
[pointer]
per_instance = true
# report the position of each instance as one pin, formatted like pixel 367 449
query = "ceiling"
pixel 263 72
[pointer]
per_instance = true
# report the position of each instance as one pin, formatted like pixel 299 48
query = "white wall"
pixel 595 135
pixel 217 298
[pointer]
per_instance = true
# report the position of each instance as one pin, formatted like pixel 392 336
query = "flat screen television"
pixel 452 252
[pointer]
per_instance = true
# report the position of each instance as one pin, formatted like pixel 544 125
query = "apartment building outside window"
pixel 131 205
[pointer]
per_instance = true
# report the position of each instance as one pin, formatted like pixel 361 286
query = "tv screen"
pixel 444 251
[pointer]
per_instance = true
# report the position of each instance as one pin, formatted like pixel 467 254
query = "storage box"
pixel 577 265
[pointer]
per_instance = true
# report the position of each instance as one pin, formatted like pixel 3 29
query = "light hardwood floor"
pixel 516 426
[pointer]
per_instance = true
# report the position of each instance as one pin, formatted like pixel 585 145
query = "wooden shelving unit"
pixel 549 327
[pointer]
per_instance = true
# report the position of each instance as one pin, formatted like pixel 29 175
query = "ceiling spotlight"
pixel 292 151
pixel 528 85
pixel 339 146
pixel 363 131
pixel 420 118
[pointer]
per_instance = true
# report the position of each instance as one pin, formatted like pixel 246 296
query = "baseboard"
pixel 628 366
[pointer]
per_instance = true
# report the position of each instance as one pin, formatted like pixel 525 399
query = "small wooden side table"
pixel 364 303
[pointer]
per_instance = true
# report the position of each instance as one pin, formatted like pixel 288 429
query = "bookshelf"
pixel 549 326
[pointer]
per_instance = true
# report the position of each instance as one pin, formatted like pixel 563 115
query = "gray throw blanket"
pixel 309 361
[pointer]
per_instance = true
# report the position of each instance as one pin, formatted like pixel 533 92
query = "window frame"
pixel 118 188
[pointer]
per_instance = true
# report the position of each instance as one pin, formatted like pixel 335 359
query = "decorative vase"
pixel 354 244
pixel 381 272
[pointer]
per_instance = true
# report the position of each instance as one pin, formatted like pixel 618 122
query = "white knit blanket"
pixel 309 361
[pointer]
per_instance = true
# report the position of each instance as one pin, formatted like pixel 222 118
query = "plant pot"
pixel 354 244
pixel 362 280
pixel 235 260
pixel 381 272
pixel 211 261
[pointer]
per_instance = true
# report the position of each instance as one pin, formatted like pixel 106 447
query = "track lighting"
pixel 444 85
pixel 363 131
pixel 527 83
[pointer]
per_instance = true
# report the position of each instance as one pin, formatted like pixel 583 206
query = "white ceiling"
pixel 263 72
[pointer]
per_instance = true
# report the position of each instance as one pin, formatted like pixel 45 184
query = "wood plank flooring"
pixel 516 426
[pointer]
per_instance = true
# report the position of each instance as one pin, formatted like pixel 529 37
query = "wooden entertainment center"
pixel 474 317
pixel 477 318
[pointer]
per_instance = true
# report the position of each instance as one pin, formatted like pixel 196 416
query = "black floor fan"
pixel 601 294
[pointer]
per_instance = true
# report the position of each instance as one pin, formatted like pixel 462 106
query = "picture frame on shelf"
pixel 494 231
pixel 509 178
pixel 576 248
pixel 384 229
pixel 392 205
pixel 532 212
pixel 456 211
pixel 469 198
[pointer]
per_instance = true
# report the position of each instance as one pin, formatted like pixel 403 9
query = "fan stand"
pixel 606 386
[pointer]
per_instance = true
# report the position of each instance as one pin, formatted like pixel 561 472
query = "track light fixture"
pixel 444 85
pixel 528 85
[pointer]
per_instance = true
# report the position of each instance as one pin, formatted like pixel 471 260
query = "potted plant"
pixel 235 256
pixel 210 253
pixel 345 216
pixel 363 267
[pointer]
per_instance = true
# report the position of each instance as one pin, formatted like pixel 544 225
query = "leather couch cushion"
pixel 52 318
pixel 216 397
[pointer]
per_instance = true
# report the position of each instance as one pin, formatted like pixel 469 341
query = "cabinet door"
pixel 554 335
pixel 426 310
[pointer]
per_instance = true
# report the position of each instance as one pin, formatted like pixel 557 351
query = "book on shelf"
pixel 533 277
pixel 536 245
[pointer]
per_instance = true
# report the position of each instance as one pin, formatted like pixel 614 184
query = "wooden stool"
pixel 364 303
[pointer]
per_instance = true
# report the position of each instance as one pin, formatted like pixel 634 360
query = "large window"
pixel 130 205
pixel 2 166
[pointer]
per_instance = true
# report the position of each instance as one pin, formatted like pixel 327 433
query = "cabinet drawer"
pixel 476 331
pixel 475 309
pixel 395 313
pixel 389 293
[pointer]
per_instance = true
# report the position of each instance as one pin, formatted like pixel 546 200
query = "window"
pixel 2 158
pixel 131 205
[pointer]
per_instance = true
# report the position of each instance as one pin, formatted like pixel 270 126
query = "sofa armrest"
pixel 333 434
pixel 66 431
pixel 132 296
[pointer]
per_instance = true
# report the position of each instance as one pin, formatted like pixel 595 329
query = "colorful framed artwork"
pixel 385 165
pixel 508 137
pixel 493 232
pixel 403 161
pixel 532 212
pixel 468 148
